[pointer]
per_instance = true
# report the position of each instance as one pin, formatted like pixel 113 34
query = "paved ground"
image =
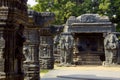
pixel 83 73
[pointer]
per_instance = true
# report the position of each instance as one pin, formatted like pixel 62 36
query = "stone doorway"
pixel 89 49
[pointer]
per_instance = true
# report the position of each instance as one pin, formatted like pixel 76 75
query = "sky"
pixel 31 2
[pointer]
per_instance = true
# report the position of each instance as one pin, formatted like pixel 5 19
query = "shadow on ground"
pixel 80 77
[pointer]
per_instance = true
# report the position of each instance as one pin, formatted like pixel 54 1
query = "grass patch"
pixel 44 70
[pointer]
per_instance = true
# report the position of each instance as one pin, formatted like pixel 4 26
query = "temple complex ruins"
pixel 29 42
pixel 82 40
pixel 31 48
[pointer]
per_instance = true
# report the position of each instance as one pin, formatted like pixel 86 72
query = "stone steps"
pixel 90 59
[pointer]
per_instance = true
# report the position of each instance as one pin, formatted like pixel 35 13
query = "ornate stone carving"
pixel 111 47
pixel 46 41
pixel 27 53
pixel 85 27
pixel 66 46
pixel 92 18
pixel 41 18
pixel 46 49
pixel 87 18
pixel 11 16
pixel 31 53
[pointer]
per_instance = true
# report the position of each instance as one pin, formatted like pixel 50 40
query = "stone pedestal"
pixel 46 63
pixel 32 70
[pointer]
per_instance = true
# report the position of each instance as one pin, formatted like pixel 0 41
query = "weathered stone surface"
pixel 46 57
pixel 111 45
pixel 11 17
pixel 66 48
pixel 91 23
pixel 88 30
pixel 2 60
pixel 46 49
pixel 42 19
pixel 31 52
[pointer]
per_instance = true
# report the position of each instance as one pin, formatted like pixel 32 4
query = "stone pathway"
pixel 83 73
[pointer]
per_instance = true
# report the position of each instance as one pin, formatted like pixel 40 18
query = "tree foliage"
pixel 62 8
pixel 66 8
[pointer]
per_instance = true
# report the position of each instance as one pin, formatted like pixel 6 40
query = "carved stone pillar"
pixel 31 52
pixel 13 13
pixel 31 48
pixel 46 41
pixel 46 49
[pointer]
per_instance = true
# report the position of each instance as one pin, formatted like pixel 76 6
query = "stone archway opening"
pixel 90 48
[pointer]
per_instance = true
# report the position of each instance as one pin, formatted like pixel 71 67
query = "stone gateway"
pixel 89 40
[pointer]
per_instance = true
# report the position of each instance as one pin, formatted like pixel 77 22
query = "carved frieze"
pixel 88 18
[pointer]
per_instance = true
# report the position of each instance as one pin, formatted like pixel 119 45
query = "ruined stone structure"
pixel 46 41
pixel 38 49
pixel 57 30
pixel 46 49
pixel 13 20
pixel 88 31
pixel 12 13
pixel 31 48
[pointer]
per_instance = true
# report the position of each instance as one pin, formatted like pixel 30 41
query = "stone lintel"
pixel 92 24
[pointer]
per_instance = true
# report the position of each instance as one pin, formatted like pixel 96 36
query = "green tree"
pixel 62 8
pixel 115 10
pixel 104 6
pixel 111 8
pixel 66 8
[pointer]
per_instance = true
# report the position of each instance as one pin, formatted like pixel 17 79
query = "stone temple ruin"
pixel 21 38
pixel 82 40
pixel 20 61
pixel 11 16
pixel 38 48
pixel 28 42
